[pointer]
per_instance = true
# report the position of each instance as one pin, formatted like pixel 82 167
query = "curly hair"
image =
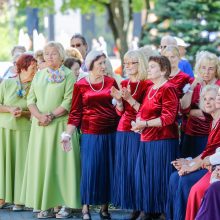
pixel 164 64
pixel 24 61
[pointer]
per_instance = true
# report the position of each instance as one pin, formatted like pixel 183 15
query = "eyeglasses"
pixel 130 63
pixel 76 45
pixel 162 47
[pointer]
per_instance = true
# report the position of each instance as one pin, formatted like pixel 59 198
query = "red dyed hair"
pixel 24 61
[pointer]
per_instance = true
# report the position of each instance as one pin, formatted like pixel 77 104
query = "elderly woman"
pixel 198 190
pixel 74 65
pixel 93 111
pixel 128 102
pixel 189 172
pixel 198 123
pixel 178 78
pixel 14 130
pixel 156 121
pixel 51 176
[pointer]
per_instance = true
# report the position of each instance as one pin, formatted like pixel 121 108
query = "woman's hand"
pixel 44 120
pixel 138 126
pixel 15 111
pixel 126 93
pixel 116 94
pixel 66 142
pixel 178 163
pixel 206 164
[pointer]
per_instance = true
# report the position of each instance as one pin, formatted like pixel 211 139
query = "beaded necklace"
pixel 135 88
pixel 95 89
pixel 148 95
pixel 23 89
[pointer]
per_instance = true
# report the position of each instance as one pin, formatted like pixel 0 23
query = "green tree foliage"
pixel 195 21
pixel 11 21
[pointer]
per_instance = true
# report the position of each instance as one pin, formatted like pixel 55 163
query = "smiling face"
pixel 210 101
pixel 99 67
pixel 208 71
pixel 131 66
pixel 52 57
pixel 31 70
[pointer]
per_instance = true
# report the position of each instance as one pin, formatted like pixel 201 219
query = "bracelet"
pixel 146 124
pixel 135 102
pixel 64 134
pixel 52 115
pixel 119 104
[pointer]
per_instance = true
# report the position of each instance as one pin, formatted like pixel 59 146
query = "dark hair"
pixel 164 64
pixel 80 37
pixel 92 63
pixel 24 61
pixel 70 61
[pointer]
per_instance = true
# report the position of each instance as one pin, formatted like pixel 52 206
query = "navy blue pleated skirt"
pixel 178 192
pixel 126 153
pixel 192 146
pixel 97 165
pixel 152 174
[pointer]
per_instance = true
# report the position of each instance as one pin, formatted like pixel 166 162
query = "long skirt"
pixel 13 150
pixel 97 162
pixel 152 174
pixel 195 196
pixel 178 192
pixel 192 146
pixel 126 152
pixel 210 209
pixel 52 176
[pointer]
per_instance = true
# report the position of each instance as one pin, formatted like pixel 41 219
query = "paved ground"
pixel 8 214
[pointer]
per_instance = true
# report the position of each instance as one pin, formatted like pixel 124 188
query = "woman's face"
pixel 154 71
pixel 41 64
pixel 32 69
pixel 208 71
pixel 131 66
pixel 99 67
pixel 217 100
pixel 209 101
pixel 75 69
pixel 52 57
pixel 173 58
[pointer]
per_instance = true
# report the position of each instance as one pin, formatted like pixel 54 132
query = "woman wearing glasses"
pixel 128 101
pixel 92 110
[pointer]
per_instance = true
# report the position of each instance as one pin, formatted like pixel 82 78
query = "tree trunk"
pixel 121 22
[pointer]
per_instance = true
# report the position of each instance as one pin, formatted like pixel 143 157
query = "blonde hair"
pixel 142 63
pixel 39 55
pixel 206 89
pixel 173 49
pixel 207 56
pixel 59 48
pixel 73 53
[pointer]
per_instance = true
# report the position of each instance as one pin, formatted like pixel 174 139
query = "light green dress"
pixel 14 135
pixel 52 177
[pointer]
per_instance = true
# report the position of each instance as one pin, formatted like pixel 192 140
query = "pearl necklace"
pixel 95 89
pixel 176 73
pixel 148 95
pixel 135 88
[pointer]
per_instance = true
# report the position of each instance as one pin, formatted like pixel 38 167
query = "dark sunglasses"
pixel 76 45
pixel 162 47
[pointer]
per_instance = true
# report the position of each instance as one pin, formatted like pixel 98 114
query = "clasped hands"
pixel 15 111
pixel 45 119
pixel 138 126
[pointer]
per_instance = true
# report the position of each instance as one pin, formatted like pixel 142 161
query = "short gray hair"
pixel 59 48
